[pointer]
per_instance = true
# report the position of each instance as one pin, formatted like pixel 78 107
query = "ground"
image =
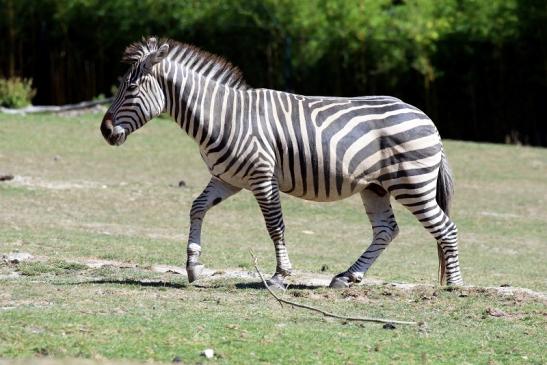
pixel 107 229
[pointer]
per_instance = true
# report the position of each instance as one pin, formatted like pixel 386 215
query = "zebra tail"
pixel 445 191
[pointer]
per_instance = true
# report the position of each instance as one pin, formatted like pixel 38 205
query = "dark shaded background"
pixel 478 68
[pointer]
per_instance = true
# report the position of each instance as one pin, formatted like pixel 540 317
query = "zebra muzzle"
pixel 115 135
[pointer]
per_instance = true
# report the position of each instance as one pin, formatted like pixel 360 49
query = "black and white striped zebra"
pixel 315 148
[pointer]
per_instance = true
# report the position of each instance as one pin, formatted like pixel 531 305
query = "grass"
pixel 76 198
pixel 51 266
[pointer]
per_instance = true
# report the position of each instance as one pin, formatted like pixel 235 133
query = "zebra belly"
pixel 324 193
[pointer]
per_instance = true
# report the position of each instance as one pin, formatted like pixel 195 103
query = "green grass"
pixel 52 266
pixel 77 198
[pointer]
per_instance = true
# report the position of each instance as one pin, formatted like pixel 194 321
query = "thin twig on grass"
pixel 314 309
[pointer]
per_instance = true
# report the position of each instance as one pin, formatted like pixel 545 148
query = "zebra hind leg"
pixel 426 209
pixel 384 227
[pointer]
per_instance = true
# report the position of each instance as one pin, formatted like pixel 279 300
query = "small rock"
pixel 11 275
pixel 377 347
pixel 17 257
pixel 56 158
pixel 6 177
pixel 176 359
pixel 495 312
pixel 307 232
pixel 168 269
pixel 389 326
pixel 208 353
pixel 506 285
pixel 182 184
pixel 41 351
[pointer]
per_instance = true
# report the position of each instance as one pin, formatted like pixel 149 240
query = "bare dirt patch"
pixel 39 183
pixel 301 279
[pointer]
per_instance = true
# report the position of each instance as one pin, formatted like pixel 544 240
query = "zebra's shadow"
pixel 135 282
pixel 260 285
pixel 184 285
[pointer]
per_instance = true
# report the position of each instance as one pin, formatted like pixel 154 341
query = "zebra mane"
pixel 202 62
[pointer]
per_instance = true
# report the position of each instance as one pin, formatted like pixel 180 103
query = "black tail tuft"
pixel 445 185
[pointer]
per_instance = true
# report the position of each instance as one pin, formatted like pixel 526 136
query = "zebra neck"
pixel 198 104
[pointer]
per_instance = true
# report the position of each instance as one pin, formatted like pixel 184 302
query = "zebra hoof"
pixel 194 271
pixel 340 282
pixel 276 282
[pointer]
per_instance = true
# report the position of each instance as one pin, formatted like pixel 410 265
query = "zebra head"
pixel 139 97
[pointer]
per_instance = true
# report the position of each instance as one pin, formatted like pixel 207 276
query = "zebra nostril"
pixel 106 126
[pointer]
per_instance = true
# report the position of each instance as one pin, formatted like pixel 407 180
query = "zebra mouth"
pixel 117 137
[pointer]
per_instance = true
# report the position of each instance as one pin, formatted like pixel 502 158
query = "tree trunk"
pixel 11 37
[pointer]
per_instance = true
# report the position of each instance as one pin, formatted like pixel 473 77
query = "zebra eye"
pixel 132 87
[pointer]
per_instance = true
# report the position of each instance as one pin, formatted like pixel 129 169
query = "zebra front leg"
pixel 384 228
pixel 266 193
pixel 215 192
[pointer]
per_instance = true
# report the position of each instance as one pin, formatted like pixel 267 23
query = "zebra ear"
pixel 157 56
pixel 162 51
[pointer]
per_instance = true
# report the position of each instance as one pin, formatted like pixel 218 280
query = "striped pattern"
pixel 315 148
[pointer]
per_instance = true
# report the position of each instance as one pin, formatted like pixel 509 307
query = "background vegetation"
pixel 478 68
pixel 16 92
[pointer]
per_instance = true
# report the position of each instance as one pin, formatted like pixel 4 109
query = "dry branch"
pixel 55 108
pixel 324 313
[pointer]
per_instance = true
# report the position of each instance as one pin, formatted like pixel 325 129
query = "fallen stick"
pixel 55 108
pixel 324 313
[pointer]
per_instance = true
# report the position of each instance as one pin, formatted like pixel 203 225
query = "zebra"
pixel 311 147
